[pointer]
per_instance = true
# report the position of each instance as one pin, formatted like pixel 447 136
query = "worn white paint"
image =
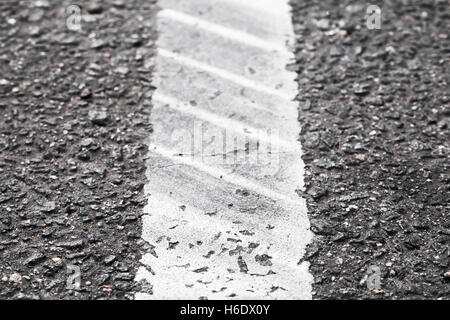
pixel 224 218
pixel 226 32
pixel 222 73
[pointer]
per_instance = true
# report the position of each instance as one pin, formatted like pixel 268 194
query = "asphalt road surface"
pixel 224 149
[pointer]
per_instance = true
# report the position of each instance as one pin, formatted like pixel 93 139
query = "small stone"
pixel 109 259
pixel 374 101
pixel 48 207
pixel 102 278
pixel 312 140
pixel 107 289
pixel 119 4
pixel 67 40
pixel 323 24
pixel 34 31
pixel 361 89
pixel 71 244
pixel 305 105
pixel 320 227
pixel 15 277
pixel 134 40
pixel 124 276
pixel 36 15
pixel 86 93
pixel 87 142
pixel 122 70
pixel 97 44
pixel 336 51
pixel 100 118
pixel 414 64
pixel 41 4
pixel 95 8
pixel 4 82
pixel 22 296
pixel 317 192
pixel 34 258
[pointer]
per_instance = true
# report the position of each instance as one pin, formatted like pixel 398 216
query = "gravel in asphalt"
pixel 74 120
pixel 374 111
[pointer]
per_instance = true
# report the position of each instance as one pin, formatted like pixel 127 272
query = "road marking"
pixel 221 229
pixel 222 73
pixel 225 32
pixel 236 126
pixel 273 7
pixel 219 174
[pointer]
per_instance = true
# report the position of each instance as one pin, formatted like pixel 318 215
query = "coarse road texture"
pixel 374 113
pixel 73 127
pixel 224 219
pixel 75 119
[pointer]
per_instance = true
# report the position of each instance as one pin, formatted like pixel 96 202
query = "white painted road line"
pixel 219 174
pixel 258 18
pixel 226 123
pixel 222 73
pixel 224 219
pixel 225 32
